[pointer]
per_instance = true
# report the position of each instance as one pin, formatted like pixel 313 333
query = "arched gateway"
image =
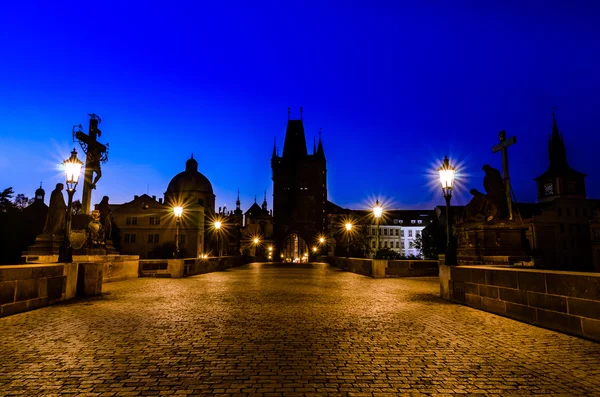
pixel 294 249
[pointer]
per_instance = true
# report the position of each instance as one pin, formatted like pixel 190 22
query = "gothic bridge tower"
pixel 299 193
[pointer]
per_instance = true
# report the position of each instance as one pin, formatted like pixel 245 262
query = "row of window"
pixel 152 238
pixel 393 232
pixel 586 228
pixel 568 211
pixel 385 244
pixel 133 220
pixel 412 221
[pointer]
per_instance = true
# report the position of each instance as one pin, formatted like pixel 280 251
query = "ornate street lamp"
pixel 218 229
pixel 177 211
pixel 377 211
pixel 72 171
pixel 447 173
pixel 348 229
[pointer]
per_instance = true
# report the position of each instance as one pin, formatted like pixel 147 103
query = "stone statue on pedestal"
pixel 57 212
pixel 488 207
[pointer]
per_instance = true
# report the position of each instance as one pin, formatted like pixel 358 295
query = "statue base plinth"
pixel 503 243
pixel 46 248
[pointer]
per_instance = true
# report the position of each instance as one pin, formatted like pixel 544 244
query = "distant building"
pixel 144 223
pixel 398 229
pixel 299 193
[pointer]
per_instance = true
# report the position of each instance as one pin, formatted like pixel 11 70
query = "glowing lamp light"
pixel 447 173
pixel 377 210
pixel 314 249
pixel 178 211
pixel 217 225
pixel 72 170
pixel 348 226
pixel 270 248
pixel 256 240
pixel 321 240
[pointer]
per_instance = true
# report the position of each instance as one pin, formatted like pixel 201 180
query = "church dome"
pixel 190 180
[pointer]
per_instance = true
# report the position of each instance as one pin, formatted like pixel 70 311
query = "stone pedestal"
pixel 89 279
pixel 503 243
pixel 45 249
pixel 379 266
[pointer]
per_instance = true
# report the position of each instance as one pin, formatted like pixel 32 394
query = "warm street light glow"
pixel 256 240
pixel 447 173
pixel 178 211
pixel 217 225
pixel 321 240
pixel 72 170
pixel 314 249
pixel 270 248
pixel 377 210
pixel 348 226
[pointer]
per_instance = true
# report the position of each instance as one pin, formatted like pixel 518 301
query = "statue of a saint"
pixel 491 206
pixel 57 212
pixel 105 217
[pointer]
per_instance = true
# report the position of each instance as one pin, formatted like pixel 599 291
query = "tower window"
pixel 548 189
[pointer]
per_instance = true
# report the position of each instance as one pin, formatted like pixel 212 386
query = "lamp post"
pixel 255 241
pixel 72 171
pixel 447 172
pixel 177 211
pixel 348 229
pixel 218 229
pixel 377 211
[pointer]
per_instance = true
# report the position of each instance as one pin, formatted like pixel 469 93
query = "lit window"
pixel 410 233
pixel 419 221
pixel 412 221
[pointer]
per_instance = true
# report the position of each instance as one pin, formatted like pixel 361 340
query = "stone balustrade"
pixel 563 301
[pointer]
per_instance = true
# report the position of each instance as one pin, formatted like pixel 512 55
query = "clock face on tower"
pixel 548 189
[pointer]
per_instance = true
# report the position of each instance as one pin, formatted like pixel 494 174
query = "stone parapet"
pixel 563 301
pixel 28 287
pixel 380 268
pixel 176 268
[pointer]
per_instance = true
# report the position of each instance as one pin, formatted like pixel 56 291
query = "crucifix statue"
pixel 96 153
pixel 503 146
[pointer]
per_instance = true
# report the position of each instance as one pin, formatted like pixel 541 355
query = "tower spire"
pixel 300 112
pixel 314 145
pixel 556 146
pixel 274 147
pixel 237 202
pixel 288 113
pixel 320 151
pixel 255 199
pixel 264 204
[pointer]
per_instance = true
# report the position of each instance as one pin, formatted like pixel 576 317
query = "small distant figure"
pixel 57 212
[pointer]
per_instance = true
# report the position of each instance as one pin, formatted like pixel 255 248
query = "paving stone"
pixel 285 330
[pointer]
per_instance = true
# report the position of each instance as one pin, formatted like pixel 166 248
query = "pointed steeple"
pixel 255 199
pixel 556 147
pixel 264 204
pixel 320 151
pixel 294 146
pixel 314 146
pixel 237 202
pixel 274 148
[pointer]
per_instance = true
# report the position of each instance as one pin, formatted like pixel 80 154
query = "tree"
pixel 5 202
pixel 417 244
pixel 21 202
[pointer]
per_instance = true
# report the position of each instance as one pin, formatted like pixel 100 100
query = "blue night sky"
pixel 394 87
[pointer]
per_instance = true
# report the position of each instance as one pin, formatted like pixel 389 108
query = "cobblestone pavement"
pixel 285 330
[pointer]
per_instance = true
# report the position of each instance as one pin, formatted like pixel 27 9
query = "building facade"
pixel 147 226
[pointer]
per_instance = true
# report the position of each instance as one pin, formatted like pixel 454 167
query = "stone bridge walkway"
pixel 285 330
